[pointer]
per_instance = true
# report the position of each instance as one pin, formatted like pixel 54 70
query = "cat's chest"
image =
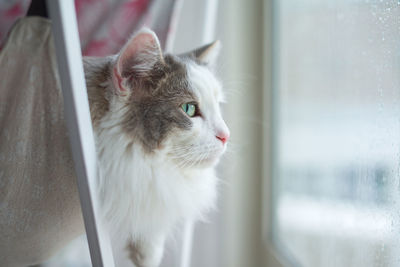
pixel 157 185
pixel 145 189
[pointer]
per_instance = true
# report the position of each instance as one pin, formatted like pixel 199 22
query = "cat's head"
pixel 172 102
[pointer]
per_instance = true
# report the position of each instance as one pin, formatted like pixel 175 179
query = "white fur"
pixel 144 195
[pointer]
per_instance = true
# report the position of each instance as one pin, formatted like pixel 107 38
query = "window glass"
pixel 337 145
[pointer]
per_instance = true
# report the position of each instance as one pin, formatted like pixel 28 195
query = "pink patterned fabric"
pixel 104 25
pixel 107 31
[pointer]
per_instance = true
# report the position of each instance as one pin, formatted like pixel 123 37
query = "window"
pixel 337 178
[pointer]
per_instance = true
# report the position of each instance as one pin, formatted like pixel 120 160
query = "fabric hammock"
pixel 36 168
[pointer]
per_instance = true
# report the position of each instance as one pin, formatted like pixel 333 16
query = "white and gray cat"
pixel 159 134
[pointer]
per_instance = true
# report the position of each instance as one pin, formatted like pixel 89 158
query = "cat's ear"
pixel 206 55
pixel 136 59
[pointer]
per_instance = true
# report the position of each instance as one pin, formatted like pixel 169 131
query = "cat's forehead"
pixel 194 78
pixel 203 83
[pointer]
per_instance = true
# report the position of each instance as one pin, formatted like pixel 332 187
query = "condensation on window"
pixel 337 86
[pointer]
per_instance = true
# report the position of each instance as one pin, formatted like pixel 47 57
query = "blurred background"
pixel 312 173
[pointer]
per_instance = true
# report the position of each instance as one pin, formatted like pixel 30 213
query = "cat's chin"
pixel 209 162
pixel 213 159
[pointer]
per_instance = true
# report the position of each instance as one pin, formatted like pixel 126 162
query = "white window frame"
pixel 79 124
pixel 273 256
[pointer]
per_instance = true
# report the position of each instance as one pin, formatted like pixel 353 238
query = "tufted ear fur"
pixel 205 55
pixel 135 60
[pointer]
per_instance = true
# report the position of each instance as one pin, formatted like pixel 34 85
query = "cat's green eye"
pixel 189 109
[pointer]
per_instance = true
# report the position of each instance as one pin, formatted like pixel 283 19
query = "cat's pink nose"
pixel 223 136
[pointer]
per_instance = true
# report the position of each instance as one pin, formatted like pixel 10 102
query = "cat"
pixel 159 134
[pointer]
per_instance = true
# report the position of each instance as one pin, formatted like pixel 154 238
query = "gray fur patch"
pixel 156 112
pixel 97 73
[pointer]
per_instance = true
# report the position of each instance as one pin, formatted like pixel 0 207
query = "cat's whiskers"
pixel 205 155
pixel 190 156
pixel 189 150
